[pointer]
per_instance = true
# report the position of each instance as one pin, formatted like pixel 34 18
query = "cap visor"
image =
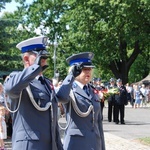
pixel 88 66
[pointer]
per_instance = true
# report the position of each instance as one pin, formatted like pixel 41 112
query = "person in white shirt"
pixel 143 95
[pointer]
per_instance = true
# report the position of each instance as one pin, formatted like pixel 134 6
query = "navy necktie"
pixel 86 89
pixel 41 79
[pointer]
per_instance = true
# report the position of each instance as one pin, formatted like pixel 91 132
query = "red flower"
pixel 95 91
pixel 52 87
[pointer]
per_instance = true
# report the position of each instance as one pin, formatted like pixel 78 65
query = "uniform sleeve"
pixel 64 90
pixel 17 81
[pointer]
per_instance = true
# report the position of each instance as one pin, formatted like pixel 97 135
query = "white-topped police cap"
pixel 84 58
pixel 119 80
pixel 33 44
pixel 112 80
pixel 99 79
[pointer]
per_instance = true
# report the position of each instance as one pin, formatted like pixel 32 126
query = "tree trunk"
pixel 120 68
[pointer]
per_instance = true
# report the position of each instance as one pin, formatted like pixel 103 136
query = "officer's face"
pixel 85 76
pixel 119 83
pixel 32 58
pixel 29 59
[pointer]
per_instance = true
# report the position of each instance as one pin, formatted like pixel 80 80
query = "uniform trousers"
pixel 111 112
pixel 119 109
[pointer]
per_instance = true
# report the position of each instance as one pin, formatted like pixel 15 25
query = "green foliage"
pixel 138 71
pixel 116 32
pixel 3 2
pixel 145 140
pixel 110 29
pixel 10 36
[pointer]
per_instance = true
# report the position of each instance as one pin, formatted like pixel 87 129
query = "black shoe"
pixel 117 122
pixel 122 122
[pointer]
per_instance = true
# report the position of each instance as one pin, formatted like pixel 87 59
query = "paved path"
pixel 114 142
pixel 123 137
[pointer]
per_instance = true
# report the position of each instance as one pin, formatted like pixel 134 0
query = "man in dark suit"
pixel 83 110
pixel 120 102
pixel 33 101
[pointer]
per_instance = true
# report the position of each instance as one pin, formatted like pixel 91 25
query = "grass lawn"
pixel 145 141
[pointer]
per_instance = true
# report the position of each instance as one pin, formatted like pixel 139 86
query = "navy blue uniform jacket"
pixel 83 133
pixel 32 129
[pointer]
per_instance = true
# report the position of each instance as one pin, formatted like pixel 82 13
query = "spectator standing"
pixel 129 92
pixel 33 100
pixel 148 93
pixel 144 95
pixel 132 95
pixel 137 96
pixel 120 102
pixel 83 110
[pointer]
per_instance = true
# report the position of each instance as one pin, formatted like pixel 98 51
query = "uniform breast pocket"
pixel 40 97
pixel 83 103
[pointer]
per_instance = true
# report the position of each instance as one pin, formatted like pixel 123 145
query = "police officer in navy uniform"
pixel 83 110
pixel 94 80
pixel 111 100
pixel 120 102
pixel 33 100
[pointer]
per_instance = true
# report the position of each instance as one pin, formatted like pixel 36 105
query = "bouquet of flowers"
pixel 113 91
pixel 110 92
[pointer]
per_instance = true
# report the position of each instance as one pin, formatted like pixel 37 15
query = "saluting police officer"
pixel 83 110
pixel 33 100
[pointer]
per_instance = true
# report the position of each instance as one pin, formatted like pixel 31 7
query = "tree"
pixel 117 32
pixel 2 3
pixel 10 36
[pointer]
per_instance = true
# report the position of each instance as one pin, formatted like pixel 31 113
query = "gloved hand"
pixel 76 70
pixel 39 58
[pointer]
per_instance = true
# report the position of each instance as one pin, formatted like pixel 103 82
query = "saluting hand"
pixel 41 60
pixel 76 70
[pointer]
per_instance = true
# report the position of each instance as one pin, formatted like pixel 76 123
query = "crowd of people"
pixel 116 96
pixel 36 102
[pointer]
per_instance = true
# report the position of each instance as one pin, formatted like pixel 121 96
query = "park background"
pixel 117 32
